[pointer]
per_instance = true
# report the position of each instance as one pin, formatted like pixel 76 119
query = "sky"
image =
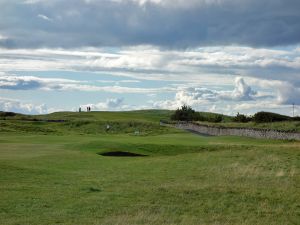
pixel 224 56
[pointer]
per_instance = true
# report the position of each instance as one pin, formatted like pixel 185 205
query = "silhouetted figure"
pixel 79 109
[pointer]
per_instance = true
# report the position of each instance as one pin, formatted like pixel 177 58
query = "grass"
pixel 140 115
pixel 87 122
pixel 59 177
pixel 290 126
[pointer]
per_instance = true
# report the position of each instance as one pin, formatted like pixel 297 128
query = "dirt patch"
pixel 121 154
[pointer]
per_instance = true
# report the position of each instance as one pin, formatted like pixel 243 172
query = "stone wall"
pixel 245 132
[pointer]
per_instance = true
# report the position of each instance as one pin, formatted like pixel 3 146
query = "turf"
pixel 60 177
pixel 141 117
pixel 290 126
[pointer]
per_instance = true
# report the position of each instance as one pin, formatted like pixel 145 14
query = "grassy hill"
pixel 144 121
pixel 139 115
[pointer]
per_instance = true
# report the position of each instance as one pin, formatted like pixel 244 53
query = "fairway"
pixel 184 178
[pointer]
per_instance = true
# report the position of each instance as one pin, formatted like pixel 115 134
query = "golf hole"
pixel 121 154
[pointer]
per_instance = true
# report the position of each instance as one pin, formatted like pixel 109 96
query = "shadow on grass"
pixel 121 154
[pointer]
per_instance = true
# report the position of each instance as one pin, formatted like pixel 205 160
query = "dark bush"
pixel 186 113
pixel 296 118
pixel 267 117
pixel 241 118
pixel 7 114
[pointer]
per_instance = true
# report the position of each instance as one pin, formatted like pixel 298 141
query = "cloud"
pixel 112 104
pixel 242 91
pixel 13 82
pixel 44 17
pixel 200 96
pixel 164 23
pixel 288 94
pixel 242 99
pixel 147 62
pixel 18 106
pixel 13 105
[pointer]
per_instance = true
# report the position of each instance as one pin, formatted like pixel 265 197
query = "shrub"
pixel 186 113
pixel 267 117
pixel 296 118
pixel 241 118
pixel 7 114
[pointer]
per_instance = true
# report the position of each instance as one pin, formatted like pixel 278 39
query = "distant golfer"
pixel 79 109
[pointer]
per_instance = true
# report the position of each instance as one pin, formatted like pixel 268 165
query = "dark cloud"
pixel 80 23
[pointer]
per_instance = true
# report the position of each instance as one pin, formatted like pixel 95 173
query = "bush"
pixel 241 118
pixel 267 117
pixel 7 114
pixel 296 118
pixel 186 113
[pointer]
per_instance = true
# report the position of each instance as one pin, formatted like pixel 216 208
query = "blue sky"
pixel 224 56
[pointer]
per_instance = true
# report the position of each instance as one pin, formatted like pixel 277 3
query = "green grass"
pixel 141 118
pixel 140 115
pixel 51 173
pixel 291 126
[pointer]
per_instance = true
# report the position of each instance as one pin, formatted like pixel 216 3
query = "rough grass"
pixel 145 122
pixel 186 179
pixel 140 115
pixel 125 122
pixel 133 127
pixel 291 126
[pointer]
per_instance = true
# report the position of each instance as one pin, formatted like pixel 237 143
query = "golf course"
pixel 123 168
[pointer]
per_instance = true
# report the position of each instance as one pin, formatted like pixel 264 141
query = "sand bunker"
pixel 121 154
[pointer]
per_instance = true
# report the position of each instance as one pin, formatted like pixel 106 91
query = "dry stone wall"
pixel 245 132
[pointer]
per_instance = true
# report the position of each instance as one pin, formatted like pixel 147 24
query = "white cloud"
pixel 148 62
pixel 205 74
pixel 13 82
pixel 288 94
pixel 242 91
pixel 44 17
pixel 200 97
pixel 3 37
pixel 112 104
pixel 13 105
pixel 192 96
